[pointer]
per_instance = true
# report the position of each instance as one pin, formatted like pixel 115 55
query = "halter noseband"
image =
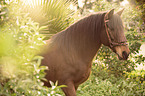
pixel 112 44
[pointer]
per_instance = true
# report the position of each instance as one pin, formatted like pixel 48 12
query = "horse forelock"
pixel 118 27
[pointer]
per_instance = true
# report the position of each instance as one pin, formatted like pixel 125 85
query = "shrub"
pixel 101 83
pixel 20 41
pixel 137 75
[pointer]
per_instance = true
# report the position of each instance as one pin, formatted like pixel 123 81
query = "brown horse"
pixel 69 53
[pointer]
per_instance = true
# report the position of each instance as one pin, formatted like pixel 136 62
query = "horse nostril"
pixel 125 55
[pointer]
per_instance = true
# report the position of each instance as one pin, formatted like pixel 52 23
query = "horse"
pixel 69 53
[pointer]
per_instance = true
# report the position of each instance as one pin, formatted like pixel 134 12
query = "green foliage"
pixel 20 70
pixel 101 83
pixel 139 5
pixel 137 75
pixel 3 12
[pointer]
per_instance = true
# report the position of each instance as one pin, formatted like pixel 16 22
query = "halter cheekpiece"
pixel 113 44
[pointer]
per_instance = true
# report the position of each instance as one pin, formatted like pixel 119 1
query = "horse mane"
pixel 89 26
pixel 80 36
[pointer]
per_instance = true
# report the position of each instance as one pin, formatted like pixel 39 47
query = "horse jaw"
pixel 122 52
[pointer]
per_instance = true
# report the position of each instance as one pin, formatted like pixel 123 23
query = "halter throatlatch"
pixel 113 44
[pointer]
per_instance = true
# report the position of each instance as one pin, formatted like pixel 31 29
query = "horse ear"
pixel 109 14
pixel 120 12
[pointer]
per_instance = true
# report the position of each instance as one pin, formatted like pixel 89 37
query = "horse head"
pixel 113 34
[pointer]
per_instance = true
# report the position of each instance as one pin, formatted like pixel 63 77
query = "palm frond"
pixel 56 14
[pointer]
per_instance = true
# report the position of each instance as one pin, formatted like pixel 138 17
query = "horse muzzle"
pixel 122 52
pixel 124 56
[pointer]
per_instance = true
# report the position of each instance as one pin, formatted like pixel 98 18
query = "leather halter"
pixel 113 44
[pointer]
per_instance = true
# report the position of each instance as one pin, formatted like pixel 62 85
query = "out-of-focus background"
pixel 26 24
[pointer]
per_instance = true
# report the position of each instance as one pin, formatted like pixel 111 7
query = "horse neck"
pixel 83 38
